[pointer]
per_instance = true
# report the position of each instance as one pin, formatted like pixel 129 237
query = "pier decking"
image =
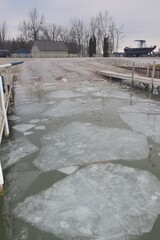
pixel 150 81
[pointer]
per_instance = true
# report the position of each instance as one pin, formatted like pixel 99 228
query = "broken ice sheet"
pixel 115 93
pixel 78 144
pixel 143 117
pixel 64 94
pixel 27 133
pixel 23 127
pixel 97 201
pixel 40 128
pixel 34 121
pixel 86 89
pixel 32 109
pixel 70 107
pixel 13 151
pixel 13 118
pixel 68 170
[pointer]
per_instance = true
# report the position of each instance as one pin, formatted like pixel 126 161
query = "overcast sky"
pixel 140 18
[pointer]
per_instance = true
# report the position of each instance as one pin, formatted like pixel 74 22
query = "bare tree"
pixel 78 30
pixel 34 26
pixel 49 32
pixel 111 34
pixel 3 34
pixel 119 36
pixel 23 29
pixel 102 29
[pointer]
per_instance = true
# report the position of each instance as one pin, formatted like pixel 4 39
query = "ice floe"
pixel 69 107
pixel 31 109
pixel 15 150
pixel 13 118
pixel 23 127
pixel 68 170
pixel 34 121
pixel 64 94
pixel 78 144
pixel 40 128
pixel 27 133
pixel 99 201
pixel 143 117
pixel 115 93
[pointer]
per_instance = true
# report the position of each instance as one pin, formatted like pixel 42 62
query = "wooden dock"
pixel 6 79
pixel 133 77
pixel 6 84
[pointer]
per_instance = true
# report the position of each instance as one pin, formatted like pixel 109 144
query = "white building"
pixel 49 49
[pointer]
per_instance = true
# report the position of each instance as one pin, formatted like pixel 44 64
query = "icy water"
pixel 82 163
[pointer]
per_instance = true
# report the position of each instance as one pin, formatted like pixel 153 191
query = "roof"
pixel 45 45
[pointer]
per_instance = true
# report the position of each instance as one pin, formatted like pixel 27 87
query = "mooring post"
pixel 148 70
pixel 133 67
pixel 3 107
pixel 153 74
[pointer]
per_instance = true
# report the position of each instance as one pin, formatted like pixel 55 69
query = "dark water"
pixel 23 179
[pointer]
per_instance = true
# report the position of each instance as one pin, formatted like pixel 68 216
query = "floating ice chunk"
pixel 14 151
pixel 40 128
pixel 86 89
pixel 23 127
pixel 50 103
pixel 88 124
pixel 115 93
pixel 13 118
pixel 44 120
pixel 69 107
pixel 68 170
pixel 34 121
pixel 143 117
pixel 96 201
pixel 78 144
pixel 32 109
pixel 64 94
pixel 27 133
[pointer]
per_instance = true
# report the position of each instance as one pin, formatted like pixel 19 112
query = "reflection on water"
pixel 89 124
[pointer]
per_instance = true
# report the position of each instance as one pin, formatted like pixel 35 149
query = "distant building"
pixel 49 49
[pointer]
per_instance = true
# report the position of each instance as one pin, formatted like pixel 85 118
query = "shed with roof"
pixel 49 49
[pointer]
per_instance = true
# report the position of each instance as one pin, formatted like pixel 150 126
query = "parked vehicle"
pixel 4 53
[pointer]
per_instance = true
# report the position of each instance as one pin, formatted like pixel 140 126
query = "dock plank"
pixel 128 76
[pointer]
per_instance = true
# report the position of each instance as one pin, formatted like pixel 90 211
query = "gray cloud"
pixel 140 18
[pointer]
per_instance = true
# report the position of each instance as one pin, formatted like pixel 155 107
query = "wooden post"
pixel 152 78
pixel 133 67
pixel 148 70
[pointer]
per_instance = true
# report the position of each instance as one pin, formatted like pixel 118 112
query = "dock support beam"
pixel 4 108
pixel 133 67
pixel 153 73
